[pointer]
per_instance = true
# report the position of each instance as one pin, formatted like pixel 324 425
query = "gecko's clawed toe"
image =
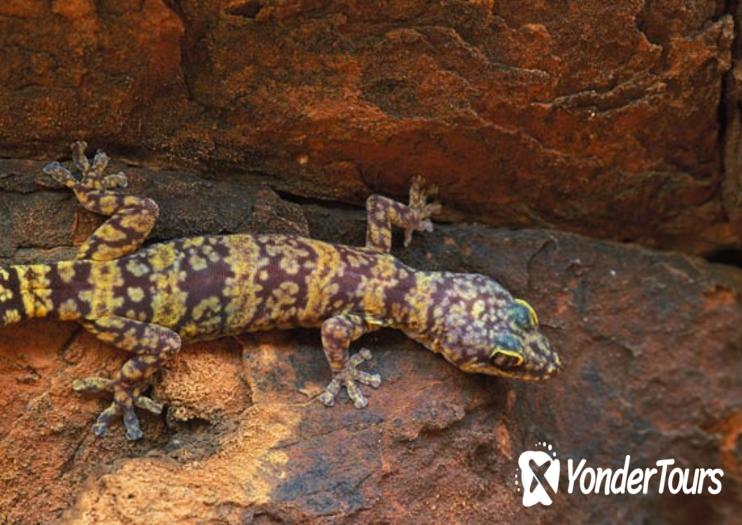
pixel 78 156
pixel 328 396
pixel 92 174
pixel 100 163
pixel 372 380
pixel 360 357
pixel 131 421
pixel 355 394
pixel 148 404
pixel 60 174
pixel 131 424
pixel 92 385
pixel 100 427
pixel 115 181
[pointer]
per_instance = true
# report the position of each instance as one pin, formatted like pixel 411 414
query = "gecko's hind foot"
pixel 124 402
pixel 423 210
pixel 347 378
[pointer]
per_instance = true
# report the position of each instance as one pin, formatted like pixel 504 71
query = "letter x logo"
pixel 539 477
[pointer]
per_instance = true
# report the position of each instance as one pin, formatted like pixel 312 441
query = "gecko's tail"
pixel 26 290
pixel 61 290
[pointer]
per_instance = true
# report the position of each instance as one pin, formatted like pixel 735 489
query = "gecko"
pixel 148 301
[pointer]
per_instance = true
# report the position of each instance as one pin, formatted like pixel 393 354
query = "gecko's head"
pixel 11 308
pixel 487 331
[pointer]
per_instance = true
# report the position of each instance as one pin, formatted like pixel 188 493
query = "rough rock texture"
pixel 620 120
pixel 651 342
pixel 596 117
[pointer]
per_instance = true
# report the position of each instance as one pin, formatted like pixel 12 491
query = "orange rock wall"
pixel 619 121
pixel 603 118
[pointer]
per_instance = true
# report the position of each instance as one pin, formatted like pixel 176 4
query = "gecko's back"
pixel 210 286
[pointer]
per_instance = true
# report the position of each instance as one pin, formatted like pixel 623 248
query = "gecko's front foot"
pixel 124 401
pixel 347 378
pixel 422 209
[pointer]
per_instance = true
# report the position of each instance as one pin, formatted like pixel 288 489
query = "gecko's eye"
pixel 523 315
pixel 506 360
pixel 507 352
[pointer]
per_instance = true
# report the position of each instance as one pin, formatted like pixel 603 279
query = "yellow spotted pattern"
pixel 242 288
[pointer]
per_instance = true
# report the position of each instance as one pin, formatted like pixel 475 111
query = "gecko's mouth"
pixel 545 367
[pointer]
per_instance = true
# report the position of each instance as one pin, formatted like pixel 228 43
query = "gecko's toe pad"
pixel 327 398
pixel 360 401
pixel 148 404
pixel 372 380
pixel 100 429
pixel 131 424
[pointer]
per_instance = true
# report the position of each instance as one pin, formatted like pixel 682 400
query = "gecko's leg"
pixel 131 218
pixel 337 334
pixel 383 213
pixel 153 346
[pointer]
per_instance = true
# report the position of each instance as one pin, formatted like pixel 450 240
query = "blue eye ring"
pixel 523 314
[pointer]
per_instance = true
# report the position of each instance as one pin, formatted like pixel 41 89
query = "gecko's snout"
pixel 554 367
pixel 541 362
pixel 543 367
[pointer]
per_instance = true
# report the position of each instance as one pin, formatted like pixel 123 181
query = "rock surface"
pixel 597 117
pixel 651 342
pixel 618 120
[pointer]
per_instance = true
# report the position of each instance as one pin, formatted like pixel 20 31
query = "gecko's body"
pixel 151 300
pixel 211 286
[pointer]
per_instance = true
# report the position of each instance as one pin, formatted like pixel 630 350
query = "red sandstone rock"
pixel 651 345
pixel 596 117
pixel 619 120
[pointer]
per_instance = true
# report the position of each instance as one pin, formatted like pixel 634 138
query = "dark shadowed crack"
pixel 730 139
pixel 249 9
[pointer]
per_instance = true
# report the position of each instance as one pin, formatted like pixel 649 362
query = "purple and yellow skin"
pixel 149 301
